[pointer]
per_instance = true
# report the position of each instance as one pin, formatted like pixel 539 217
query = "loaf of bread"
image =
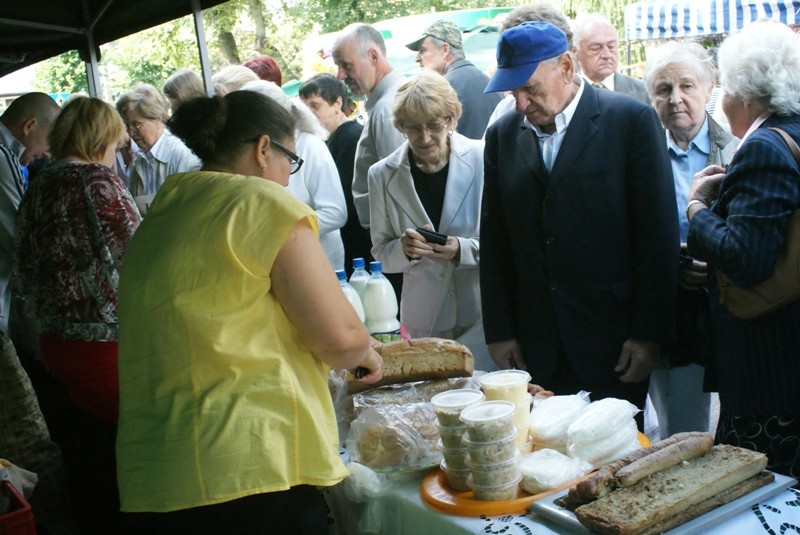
pixel 421 359
pixel 653 501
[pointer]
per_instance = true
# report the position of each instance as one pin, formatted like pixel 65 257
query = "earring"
pixel 450 133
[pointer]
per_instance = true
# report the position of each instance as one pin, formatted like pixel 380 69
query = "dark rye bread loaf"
pixel 655 500
pixel 420 359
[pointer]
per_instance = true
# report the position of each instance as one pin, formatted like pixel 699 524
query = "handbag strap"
pixel 789 141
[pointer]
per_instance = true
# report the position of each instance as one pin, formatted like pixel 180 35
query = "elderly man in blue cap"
pixel 579 235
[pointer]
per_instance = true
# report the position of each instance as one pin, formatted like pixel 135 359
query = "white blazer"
pixel 395 206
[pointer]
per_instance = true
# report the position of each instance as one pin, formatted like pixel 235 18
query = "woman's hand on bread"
pixel 371 368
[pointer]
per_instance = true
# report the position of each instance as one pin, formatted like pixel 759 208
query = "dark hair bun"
pixel 200 123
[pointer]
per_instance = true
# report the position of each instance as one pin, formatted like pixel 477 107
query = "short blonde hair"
pixel 85 128
pixel 427 94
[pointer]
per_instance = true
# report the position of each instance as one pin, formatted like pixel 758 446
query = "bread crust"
pixel 654 500
pixel 420 359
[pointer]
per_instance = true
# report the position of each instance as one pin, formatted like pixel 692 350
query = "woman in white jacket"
pixel 317 182
pixel 434 180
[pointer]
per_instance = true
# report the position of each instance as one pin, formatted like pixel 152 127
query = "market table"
pixel 401 510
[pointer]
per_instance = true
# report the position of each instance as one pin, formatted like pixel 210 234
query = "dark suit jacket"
pixel 756 361
pixel 586 256
pixel 631 86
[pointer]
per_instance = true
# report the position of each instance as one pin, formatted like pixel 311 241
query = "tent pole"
pixel 202 47
pixel 92 68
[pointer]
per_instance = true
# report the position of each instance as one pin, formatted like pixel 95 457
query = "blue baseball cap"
pixel 521 49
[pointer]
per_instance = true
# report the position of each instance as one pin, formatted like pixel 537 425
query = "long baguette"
pixel 604 480
pixel 689 448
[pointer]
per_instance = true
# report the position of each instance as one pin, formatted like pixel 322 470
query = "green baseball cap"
pixel 444 30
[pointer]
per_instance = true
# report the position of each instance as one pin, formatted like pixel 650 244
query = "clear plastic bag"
pixel 551 417
pixel 547 469
pixel 604 431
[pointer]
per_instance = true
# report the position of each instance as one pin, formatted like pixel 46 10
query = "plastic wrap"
pixel 547 469
pixel 604 431
pixel 551 417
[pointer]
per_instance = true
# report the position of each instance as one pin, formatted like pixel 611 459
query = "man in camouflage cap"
pixel 441 49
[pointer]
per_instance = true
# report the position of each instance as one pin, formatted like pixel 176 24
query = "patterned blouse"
pixel 72 228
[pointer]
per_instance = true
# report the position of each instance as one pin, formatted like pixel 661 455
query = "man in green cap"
pixel 441 49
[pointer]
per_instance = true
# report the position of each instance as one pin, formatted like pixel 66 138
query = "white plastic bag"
pixel 551 417
pixel 547 469
pixel 604 431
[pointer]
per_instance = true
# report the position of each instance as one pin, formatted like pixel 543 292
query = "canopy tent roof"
pixel 668 19
pixel 35 30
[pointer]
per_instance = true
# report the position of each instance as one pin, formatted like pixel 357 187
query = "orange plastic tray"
pixel 437 493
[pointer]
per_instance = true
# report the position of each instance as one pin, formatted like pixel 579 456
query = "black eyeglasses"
pixel 295 161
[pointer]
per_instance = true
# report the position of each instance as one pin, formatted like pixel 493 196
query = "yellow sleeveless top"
pixel 219 399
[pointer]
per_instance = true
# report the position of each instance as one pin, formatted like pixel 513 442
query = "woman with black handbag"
pixel 739 219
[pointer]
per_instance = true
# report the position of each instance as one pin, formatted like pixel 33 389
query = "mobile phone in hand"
pixel 433 237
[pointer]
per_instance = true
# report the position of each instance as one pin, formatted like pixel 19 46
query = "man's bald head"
pixel 29 119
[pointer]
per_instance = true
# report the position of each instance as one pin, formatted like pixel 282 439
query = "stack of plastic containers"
pixel 493 454
pixel 512 386
pixel 448 406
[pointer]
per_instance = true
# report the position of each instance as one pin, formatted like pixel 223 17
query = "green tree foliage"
pixel 63 74
pixel 236 32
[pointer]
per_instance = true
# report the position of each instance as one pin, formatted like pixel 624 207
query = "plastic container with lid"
pixel 456 478
pixel 509 385
pixel 350 293
pixel 522 414
pixel 451 436
pixel 492 452
pixel 448 405
pixel 507 491
pixel 456 457
pixel 496 474
pixel 489 421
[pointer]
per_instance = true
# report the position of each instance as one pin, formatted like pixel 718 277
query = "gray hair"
pixel 672 53
pixel 145 100
pixel 364 35
pixel 231 78
pixel 457 53
pixel 306 120
pixel 762 62
pixel 581 25
pixel 542 12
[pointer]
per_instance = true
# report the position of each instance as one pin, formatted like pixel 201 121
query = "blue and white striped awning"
pixel 667 19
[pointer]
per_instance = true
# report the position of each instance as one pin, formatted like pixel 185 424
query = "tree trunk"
pixel 228 45
pixel 257 14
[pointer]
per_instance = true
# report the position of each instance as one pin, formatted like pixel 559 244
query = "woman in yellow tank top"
pixel 230 318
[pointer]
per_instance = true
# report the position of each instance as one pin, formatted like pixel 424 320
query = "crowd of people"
pixel 168 273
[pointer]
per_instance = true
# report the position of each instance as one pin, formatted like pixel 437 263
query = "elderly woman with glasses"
pixel 230 320
pixel 434 181
pixel 161 154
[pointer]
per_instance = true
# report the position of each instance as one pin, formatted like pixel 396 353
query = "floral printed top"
pixel 72 228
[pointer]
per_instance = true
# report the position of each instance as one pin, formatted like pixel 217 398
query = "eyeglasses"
pixel 295 161
pixel 433 127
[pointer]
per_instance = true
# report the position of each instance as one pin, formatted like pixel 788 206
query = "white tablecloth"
pixel 400 510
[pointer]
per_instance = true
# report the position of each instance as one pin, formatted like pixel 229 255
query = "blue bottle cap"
pixel 358 263
pixel 341 275
pixel 375 265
